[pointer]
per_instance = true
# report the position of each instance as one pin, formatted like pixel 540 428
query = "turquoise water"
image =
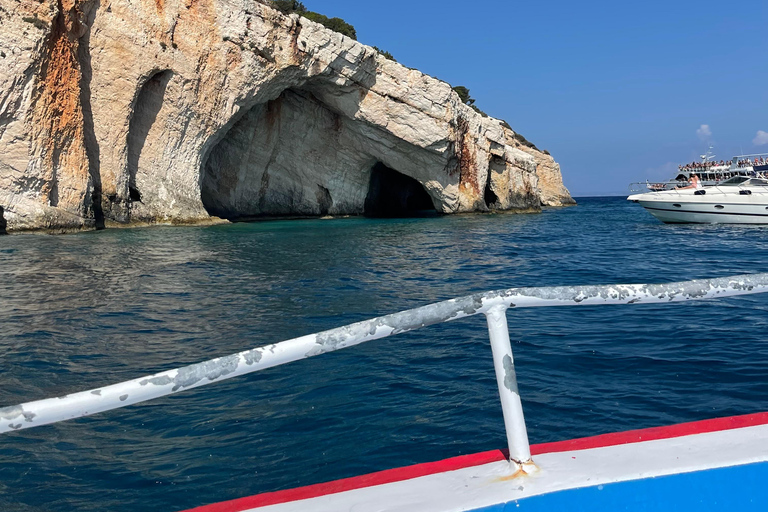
pixel 80 311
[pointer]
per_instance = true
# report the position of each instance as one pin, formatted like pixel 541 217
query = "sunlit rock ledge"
pixel 167 111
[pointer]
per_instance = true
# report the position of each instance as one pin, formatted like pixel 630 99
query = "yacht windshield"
pixel 758 182
pixel 733 182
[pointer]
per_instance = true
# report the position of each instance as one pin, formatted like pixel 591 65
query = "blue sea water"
pixel 84 310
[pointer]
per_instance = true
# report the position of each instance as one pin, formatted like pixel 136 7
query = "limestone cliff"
pixel 178 110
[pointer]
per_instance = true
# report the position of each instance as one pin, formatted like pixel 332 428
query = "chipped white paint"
pixel 89 402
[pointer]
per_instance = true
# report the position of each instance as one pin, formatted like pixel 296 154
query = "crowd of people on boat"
pixel 701 166
pixel 708 166
pixel 757 161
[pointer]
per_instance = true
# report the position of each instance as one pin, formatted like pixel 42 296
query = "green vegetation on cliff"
pixel 384 54
pixel 336 24
pixel 465 98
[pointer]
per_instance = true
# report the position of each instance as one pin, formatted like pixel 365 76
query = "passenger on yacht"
pixel 694 180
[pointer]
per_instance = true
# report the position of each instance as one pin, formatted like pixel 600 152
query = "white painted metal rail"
pixel 492 304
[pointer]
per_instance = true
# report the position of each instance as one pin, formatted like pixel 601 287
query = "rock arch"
pixel 296 155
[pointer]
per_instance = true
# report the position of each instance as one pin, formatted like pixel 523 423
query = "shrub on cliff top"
pixel 525 142
pixel 384 54
pixel 289 6
pixel 335 24
pixel 464 96
pixel 474 107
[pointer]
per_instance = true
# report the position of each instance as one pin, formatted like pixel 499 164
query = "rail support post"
pixel 511 406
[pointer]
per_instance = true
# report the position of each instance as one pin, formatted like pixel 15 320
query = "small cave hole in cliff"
pixel 489 196
pixel 3 223
pixel 148 104
pixel 392 194
pixel 134 194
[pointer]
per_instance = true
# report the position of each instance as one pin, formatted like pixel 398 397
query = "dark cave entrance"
pixel 392 194
pixel 489 196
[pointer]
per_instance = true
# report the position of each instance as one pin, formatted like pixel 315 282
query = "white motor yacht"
pixel 737 200
pixel 708 171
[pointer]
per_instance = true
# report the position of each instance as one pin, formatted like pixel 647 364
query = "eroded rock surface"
pixel 175 111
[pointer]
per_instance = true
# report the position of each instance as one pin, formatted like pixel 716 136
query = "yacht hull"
pixel 741 200
pixel 676 212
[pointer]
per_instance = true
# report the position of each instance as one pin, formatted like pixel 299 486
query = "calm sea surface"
pixel 85 310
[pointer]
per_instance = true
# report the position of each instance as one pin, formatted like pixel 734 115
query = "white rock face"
pixel 151 111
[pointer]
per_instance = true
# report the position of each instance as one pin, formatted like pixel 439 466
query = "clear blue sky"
pixel 615 90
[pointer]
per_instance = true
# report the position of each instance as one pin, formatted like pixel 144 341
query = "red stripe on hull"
pixel 465 461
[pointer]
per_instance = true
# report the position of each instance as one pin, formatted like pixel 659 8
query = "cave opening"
pixel 148 104
pixel 256 168
pixel 393 194
pixel 489 196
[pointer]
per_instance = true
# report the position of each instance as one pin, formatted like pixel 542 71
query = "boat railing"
pixel 753 188
pixel 655 186
pixel 635 188
pixel 709 168
pixel 493 305
pixel 754 155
